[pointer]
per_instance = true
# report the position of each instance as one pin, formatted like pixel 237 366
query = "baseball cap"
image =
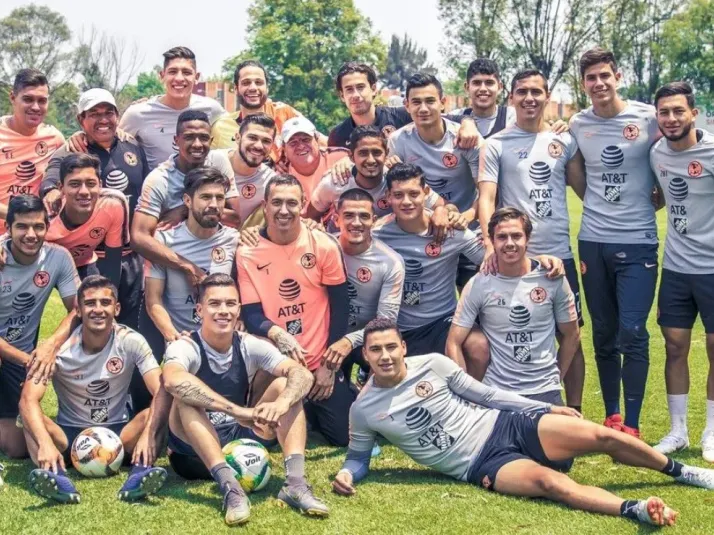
pixel 296 125
pixel 92 97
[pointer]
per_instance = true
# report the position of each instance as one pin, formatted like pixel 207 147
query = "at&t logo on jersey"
pixel 24 172
pixel 289 290
pixel 419 419
pixel 520 317
pixel 98 405
pixel 540 173
pixel 612 158
pixel 678 190
pixel 22 305
pixel 355 309
pixel 412 289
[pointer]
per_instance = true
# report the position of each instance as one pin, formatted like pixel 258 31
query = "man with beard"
pixel 26 142
pixel 684 166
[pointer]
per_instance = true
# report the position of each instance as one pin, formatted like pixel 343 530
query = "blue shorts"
pixel 682 296
pixel 554 397
pixel 514 437
pixel 431 338
pixel 71 433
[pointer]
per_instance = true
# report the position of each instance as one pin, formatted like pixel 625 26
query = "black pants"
pixel 331 416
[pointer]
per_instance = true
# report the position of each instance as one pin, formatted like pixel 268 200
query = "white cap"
pixel 92 97
pixel 296 125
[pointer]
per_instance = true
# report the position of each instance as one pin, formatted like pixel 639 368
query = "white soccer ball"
pixel 97 452
pixel 250 463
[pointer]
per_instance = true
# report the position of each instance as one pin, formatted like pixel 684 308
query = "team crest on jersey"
pixel 218 255
pixel 631 131
pixel 538 294
pixel 364 274
pixel 41 148
pixel 383 203
pixel 97 233
pixel 308 261
pixel 387 130
pixel 41 279
pixel 555 150
pixel 131 159
pixel 583 268
pixel 248 191
pixel 432 249
pixel 423 389
pixel 694 169
pixel 115 365
pixel 450 160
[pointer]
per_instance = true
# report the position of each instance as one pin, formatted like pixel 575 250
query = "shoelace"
pixel 232 490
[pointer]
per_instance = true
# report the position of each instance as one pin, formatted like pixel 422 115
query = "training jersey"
pixel 375 282
pixel 518 315
pixel 687 179
pixel 617 207
pixel 163 188
pixel 487 126
pixel 437 415
pixel 529 170
pixel 153 124
pixel 430 270
pixel 450 171
pixel 108 225
pixel 94 388
pixel 251 190
pixel 328 158
pixel 23 159
pixel 213 255
pixel 386 118
pixel 25 290
pixel 290 281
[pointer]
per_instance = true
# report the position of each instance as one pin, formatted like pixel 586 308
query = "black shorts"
pixel 12 377
pixel 514 437
pixel 554 397
pixel 431 338
pixel 465 271
pixel 682 296
pixel 131 290
pixel 571 273
pixel 331 416
pixel 71 433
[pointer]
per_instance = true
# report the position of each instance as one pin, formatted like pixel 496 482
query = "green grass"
pixel 398 496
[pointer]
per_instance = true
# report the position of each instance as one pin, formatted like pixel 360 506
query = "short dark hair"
pixel 483 66
pixel 96 281
pixel 594 56
pixel 380 324
pixel 676 88
pixel 213 280
pixel 79 160
pixel 25 204
pixel 282 180
pixel 196 178
pixel 28 78
pixel 179 52
pixel 401 172
pixel 352 67
pixel 355 194
pixel 362 132
pixel 506 214
pixel 422 79
pixel 248 63
pixel 261 119
pixel 527 73
pixel 191 115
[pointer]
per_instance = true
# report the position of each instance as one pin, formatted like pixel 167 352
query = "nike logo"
pixel 650 265
pixel 260 268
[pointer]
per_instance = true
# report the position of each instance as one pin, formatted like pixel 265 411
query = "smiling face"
pixel 194 142
pixel 369 156
pixel 97 307
pixel 600 84
pixel 81 190
pixel 483 91
pixel 510 242
pixel 28 233
pixel 207 205
pixel 219 309
pixel 355 220
pixel 675 117
pixel 252 87
pixel 407 199
pixel 425 105
pixel 357 93
pixel 254 144
pixel 283 206
pixel 529 98
pixel 29 105
pixel 302 150
pixel 100 123
pixel 179 77
pixel 384 351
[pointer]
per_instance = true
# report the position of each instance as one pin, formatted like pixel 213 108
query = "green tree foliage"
pixel 148 84
pixel 404 59
pixel 302 44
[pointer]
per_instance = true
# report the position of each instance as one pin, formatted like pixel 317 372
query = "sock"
pixel 672 468
pixel 628 509
pixel 709 428
pixel 223 475
pixel 677 404
pixel 295 467
pixel 612 407
pixel 578 408
pixel 633 406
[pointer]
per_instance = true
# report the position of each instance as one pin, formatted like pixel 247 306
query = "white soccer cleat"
pixel 671 443
pixel 708 446
pixel 697 477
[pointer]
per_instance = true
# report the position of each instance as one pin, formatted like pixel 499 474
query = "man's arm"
pixel 487 181
pixel 12 354
pixel 454 344
pixel 42 365
pixel 299 382
pixel 339 313
pixel 568 345
pixel 467 310
pixel 48 456
pixel 575 174
pixel 356 465
pixel 154 295
pixel 146 449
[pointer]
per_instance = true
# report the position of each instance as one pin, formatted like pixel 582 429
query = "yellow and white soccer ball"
pixel 97 452
pixel 250 463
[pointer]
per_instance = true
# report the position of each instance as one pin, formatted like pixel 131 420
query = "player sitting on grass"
pixel 210 377
pixel 446 420
pixel 94 369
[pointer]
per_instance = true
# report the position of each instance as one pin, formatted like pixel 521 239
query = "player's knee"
pixel 550 483
pixel 633 336
pixel 15 448
pixel 476 347
pixel 606 438
pixel 676 350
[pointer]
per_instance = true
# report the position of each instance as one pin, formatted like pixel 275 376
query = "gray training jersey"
pixel 251 190
pixel 437 415
pixel 450 171
pixel 25 289
pixel 485 124
pixel 430 270
pixel 375 279
pixel 687 179
pixel 530 172
pixel 163 187
pixel 617 206
pixel 518 315
pixel 214 255
pixel 153 124
pixel 94 388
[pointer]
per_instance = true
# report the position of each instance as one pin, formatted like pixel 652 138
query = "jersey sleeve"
pixel 332 266
pixel 491 162
pixel 248 292
pixel 68 280
pixel 473 160
pixel 362 437
pixel 52 171
pixel 324 194
pixel 472 246
pixel 469 304
pixel 571 146
pixel 137 346
pixel 153 194
pixel 131 120
pixel 564 302
pixel 184 353
pixel 393 146
pixel 215 110
pixel 154 270
pixel 261 355
pixel 431 200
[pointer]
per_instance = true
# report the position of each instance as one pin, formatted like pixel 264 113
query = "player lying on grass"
pixel 446 420
pixel 92 377
pixel 210 377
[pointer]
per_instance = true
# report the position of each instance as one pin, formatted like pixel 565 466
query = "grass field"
pixel 398 496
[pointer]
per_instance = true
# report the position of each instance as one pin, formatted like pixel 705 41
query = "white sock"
pixel 710 417
pixel 677 404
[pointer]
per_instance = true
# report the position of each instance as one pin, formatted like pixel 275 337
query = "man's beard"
pixel 684 133
pixel 248 162
pixel 204 222
pixel 248 106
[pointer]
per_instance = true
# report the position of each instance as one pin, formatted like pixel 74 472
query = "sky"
pixel 220 31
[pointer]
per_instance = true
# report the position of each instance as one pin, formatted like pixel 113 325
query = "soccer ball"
pixel 97 452
pixel 250 463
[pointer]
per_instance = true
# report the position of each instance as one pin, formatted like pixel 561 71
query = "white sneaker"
pixel 673 442
pixel 708 446
pixel 697 477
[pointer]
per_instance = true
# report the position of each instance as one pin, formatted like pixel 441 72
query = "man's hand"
pixel 565 411
pixel 145 449
pixel 439 224
pixel 41 367
pixel 458 220
pixel 269 413
pixel 324 383
pixel 343 485
pixel 249 236
pixel 489 266
pixel 175 335
pixel 52 202
pixel 194 274
pixel 335 354
pixel 282 166
pixel 77 142
pixel 559 127
pixel 391 161
pixel 124 136
pixel 290 347
pixel 311 224
pixel 172 218
pixel 49 457
pixel 553 264
pixel 341 172
pixel 468 136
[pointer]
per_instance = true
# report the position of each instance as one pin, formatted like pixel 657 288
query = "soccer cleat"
pixel 654 511
pixel 614 421
pixel 299 496
pixel 697 477
pixel 53 486
pixel 236 505
pixel 672 443
pixel 142 483
pixel 632 431
pixel 708 446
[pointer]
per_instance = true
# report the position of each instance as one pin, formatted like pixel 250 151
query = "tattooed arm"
pixel 287 344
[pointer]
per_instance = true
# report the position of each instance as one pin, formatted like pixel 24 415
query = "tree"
pixel 302 44
pixel 107 61
pixel 148 84
pixel 404 59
